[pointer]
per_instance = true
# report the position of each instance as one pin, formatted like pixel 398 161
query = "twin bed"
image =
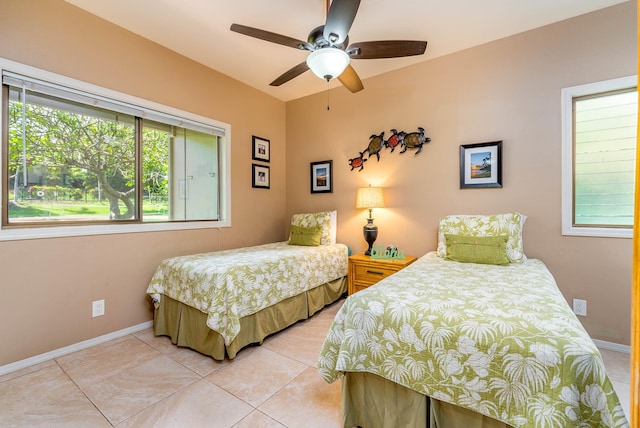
pixel 219 302
pixel 446 343
pixel 471 335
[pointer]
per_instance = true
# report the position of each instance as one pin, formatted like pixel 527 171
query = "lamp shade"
pixel 327 63
pixel 369 197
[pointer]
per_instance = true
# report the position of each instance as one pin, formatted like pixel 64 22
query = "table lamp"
pixel 369 198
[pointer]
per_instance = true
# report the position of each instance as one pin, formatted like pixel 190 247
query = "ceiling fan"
pixel 330 49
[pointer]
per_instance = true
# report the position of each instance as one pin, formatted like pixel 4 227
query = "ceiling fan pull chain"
pixel 328 108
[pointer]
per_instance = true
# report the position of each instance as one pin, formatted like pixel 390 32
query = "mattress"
pixel 500 341
pixel 229 286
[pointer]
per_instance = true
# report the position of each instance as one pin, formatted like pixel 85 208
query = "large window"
pixel 599 157
pixel 73 158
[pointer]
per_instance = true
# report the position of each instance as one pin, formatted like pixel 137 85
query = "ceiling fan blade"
pixel 339 19
pixel 271 37
pixel 290 74
pixel 350 80
pixel 386 49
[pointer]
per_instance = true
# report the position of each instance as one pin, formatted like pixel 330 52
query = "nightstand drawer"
pixel 365 271
pixel 372 274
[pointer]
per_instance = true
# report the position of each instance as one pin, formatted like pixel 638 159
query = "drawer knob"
pixel 375 272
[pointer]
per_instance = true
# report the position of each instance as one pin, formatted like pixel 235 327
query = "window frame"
pixel 568 203
pixel 64 230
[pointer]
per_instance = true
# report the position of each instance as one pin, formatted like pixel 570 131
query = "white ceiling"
pixel 199 29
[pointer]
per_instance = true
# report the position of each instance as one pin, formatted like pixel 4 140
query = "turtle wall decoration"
pixel 405 140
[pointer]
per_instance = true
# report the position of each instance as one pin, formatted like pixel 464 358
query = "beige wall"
pixel 507 90
pixel 47 285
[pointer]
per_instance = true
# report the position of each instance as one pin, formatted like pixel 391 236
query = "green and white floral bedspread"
pixel 500 340
pixel 228 285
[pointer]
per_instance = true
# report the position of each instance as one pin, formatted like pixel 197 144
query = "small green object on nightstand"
pixel 391 252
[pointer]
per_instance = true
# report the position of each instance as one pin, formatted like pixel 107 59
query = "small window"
pixel 599 158
pixel 74 158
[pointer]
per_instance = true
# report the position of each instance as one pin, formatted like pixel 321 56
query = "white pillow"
pixel 326 219
pixel 509 224
pixel 333 226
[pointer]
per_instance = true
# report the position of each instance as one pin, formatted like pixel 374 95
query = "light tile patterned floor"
pixel 144 381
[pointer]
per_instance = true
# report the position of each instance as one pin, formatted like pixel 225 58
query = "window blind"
pixel 604 153
pixel 74 95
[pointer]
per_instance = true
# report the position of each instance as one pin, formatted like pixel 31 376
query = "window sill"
pixel 598 232
pixel 15 234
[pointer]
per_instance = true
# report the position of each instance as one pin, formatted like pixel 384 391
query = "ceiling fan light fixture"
pixel 328 63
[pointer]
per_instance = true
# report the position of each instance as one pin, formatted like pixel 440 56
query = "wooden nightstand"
pixel 365 271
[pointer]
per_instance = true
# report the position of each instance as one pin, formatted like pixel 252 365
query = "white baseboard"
pixel 625 349
pixel 37 359
pixel 129 330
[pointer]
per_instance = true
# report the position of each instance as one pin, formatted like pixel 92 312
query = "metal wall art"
pixel 410 140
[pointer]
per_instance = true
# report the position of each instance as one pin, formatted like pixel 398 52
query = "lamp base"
pixel 370 232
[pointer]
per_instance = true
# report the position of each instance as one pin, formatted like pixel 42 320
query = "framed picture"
pixel 260 150
pixel 321 177
pixel 260 176
pixel 481 165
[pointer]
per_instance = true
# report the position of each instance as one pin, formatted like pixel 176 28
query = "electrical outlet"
pixel 580 307
pixel 97 308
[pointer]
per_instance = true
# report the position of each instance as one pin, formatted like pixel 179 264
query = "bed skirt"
pixel 370 401
pixel 187 326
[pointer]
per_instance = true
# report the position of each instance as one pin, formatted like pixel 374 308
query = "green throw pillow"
pixel 308 236
pixel 489 250
pixel 321 219
pixel 509 224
